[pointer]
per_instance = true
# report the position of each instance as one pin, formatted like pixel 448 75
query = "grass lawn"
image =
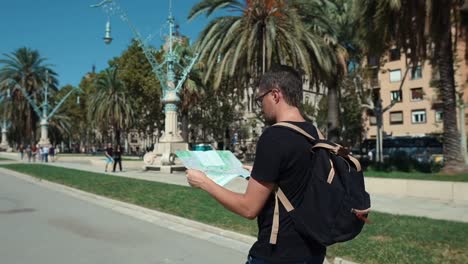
pixel 389 239
pixel 1 158
pixel 416 176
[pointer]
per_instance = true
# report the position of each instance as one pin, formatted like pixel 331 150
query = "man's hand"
pixel 247 167
pixel 196 178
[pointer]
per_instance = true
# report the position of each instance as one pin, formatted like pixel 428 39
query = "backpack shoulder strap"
pixel 300 130
pixel 279 195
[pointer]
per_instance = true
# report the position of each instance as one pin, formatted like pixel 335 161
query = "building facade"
pixel 417 107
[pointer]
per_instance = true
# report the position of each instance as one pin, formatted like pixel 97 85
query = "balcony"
pixel 436 102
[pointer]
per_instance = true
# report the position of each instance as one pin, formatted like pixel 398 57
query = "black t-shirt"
pixel 110 152
pixel 283 157
pixel 118 153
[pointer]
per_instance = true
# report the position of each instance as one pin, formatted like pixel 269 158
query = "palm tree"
pixel 111 105
pixel 26 68
pixel 423 29
pixel 258 34
pixel 332 20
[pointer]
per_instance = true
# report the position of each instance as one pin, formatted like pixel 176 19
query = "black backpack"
pixel 335 204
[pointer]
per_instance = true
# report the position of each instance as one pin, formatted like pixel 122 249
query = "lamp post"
pixel 171 84
pixel 42 111
pixel 4 143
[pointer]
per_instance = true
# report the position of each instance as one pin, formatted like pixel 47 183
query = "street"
pixel 39 225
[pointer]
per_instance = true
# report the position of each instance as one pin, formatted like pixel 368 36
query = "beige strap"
pixel 275 224
pixel 332 148
pixel 279 194
pixel 356 162
pixel 284 200
pixel 319 134
pixel 298 129
pixel 335 149
pixel 331 174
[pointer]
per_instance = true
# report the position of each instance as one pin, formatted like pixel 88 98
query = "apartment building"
pixel 417 109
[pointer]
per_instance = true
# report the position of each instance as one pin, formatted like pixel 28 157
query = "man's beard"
pixel 269 121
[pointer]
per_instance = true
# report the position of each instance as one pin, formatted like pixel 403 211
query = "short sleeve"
pixel 268 157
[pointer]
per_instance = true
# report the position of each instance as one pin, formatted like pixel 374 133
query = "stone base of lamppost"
pixel 4 147
pixel 44 142
pixel 163 157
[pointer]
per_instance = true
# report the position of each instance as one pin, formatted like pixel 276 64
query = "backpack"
pixel 335 204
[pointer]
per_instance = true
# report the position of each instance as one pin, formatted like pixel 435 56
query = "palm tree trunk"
pixel 452 149
pixel 333 112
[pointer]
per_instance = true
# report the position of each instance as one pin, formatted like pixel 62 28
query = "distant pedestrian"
pixel 52 153
pixel 29 152
pixel 41 154
pixel 34 152
pixel 45 154
pixel 21 151
pixel 118 157
pixel 109 153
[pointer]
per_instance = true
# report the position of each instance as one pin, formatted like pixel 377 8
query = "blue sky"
pixel 69 33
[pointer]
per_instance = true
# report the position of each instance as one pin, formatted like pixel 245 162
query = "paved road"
pixel 39 225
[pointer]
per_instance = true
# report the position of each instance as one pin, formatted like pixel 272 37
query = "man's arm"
pixel 247 205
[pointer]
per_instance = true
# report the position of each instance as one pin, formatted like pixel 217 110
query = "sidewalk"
pixel 403 205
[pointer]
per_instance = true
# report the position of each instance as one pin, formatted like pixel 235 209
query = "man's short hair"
pixel 286 79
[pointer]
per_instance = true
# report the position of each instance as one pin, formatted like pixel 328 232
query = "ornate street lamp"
pixel 42 110
pixel 163 155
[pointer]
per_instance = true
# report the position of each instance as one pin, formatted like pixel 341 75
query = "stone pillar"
pixel 44 141
pixel 171 127
pixel 4 144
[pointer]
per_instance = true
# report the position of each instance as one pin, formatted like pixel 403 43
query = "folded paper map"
pixel 219 165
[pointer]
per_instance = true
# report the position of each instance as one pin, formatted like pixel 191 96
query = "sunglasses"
pixel 259 99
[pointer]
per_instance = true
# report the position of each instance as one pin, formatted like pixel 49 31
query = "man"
pixel 45 154
pixel 109 153
pixel 282 159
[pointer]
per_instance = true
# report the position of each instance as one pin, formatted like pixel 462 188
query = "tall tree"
pixel 111 105
pixel 25 68
pixel 136 73
pixel 423 29
pixel 258 34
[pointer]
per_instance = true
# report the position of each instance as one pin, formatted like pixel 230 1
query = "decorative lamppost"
pixel 5 124
pixel 163 155
pixel 42 110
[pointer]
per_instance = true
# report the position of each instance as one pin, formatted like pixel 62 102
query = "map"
pixel 219 165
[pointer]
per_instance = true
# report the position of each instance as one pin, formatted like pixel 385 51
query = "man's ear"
pixel 277 96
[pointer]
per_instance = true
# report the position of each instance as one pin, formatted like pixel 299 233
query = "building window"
pixel 396 96
pixel 395 54
pixel 417 94
pixel 395 75
pixel 372 120
pixel 396 117
pixel 418 116
pixel 416 73
pixel 439 116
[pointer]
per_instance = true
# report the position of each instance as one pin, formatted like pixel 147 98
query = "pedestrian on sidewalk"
pixel 282 159
pixel 29 152
pixel 109 153
pixel 52 153
pixel 118 157
pixel 45 154
pixel 21 151
pixel 34 152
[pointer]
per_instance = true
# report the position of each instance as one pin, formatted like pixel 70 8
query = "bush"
pixel 402 161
